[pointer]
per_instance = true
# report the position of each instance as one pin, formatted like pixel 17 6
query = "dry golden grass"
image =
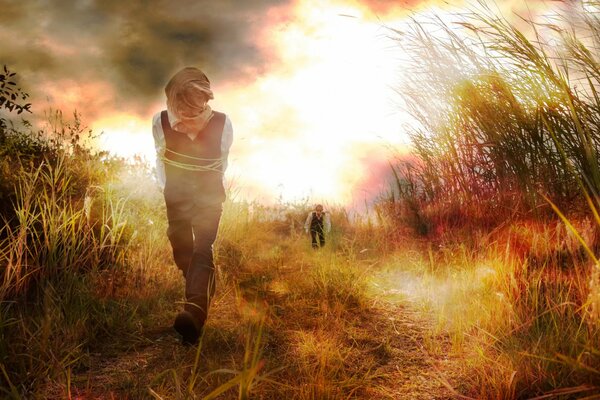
pixel 510 315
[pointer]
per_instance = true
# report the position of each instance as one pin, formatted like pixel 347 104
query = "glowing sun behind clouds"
pixel 308 126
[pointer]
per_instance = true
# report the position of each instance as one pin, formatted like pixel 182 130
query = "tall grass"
pixel 87 273
pixel 507 112
pixel 55 235
pixel 520 314
pixel 75 252
pixel 284 312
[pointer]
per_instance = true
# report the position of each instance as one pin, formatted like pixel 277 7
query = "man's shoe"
pixel 186 325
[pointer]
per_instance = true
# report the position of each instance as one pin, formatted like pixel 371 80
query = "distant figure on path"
pixel 192 144
pixel 318 223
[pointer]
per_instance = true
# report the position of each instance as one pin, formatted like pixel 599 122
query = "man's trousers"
pixel 192 232
pixel 318 238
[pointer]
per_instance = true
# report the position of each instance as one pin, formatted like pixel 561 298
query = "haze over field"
pixel 309 85
pixel 475 274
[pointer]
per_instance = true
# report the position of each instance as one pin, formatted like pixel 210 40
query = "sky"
pixel 308 85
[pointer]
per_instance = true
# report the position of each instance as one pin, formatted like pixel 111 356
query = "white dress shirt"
pixel 160 145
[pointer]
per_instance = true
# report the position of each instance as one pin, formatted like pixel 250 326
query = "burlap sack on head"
pixel 182 92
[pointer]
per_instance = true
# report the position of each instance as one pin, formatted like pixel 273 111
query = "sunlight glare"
pixel 126 136
pixel 315 123
pixel 300 127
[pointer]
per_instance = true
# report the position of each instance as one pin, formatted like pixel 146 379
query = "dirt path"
pixel 422 367
pixel 408 360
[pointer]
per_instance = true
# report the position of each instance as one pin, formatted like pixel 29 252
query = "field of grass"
pixel 463 282
pixel 503 188
pixel 90 292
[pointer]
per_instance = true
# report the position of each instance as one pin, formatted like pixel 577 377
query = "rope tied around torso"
pixel 209 164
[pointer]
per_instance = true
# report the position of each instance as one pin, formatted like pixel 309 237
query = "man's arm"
pixel 308 221
pixel 226 141
pixel 159 145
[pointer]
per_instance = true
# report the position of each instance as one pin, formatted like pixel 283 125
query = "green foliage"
pixel 56 233
pixel 63 142
pixel 11 95
pixel 67 247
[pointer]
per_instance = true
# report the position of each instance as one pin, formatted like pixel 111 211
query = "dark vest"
pixel 200 187
pixel 316 223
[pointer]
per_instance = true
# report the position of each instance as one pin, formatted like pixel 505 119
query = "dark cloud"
pixel 136 45
pixel 11 11
pixel 161 37
pixel 37 57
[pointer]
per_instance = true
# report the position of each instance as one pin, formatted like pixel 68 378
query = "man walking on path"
pixel 192 144
pixel 318 223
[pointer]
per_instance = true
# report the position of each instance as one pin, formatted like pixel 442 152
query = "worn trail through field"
pixel 400 353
